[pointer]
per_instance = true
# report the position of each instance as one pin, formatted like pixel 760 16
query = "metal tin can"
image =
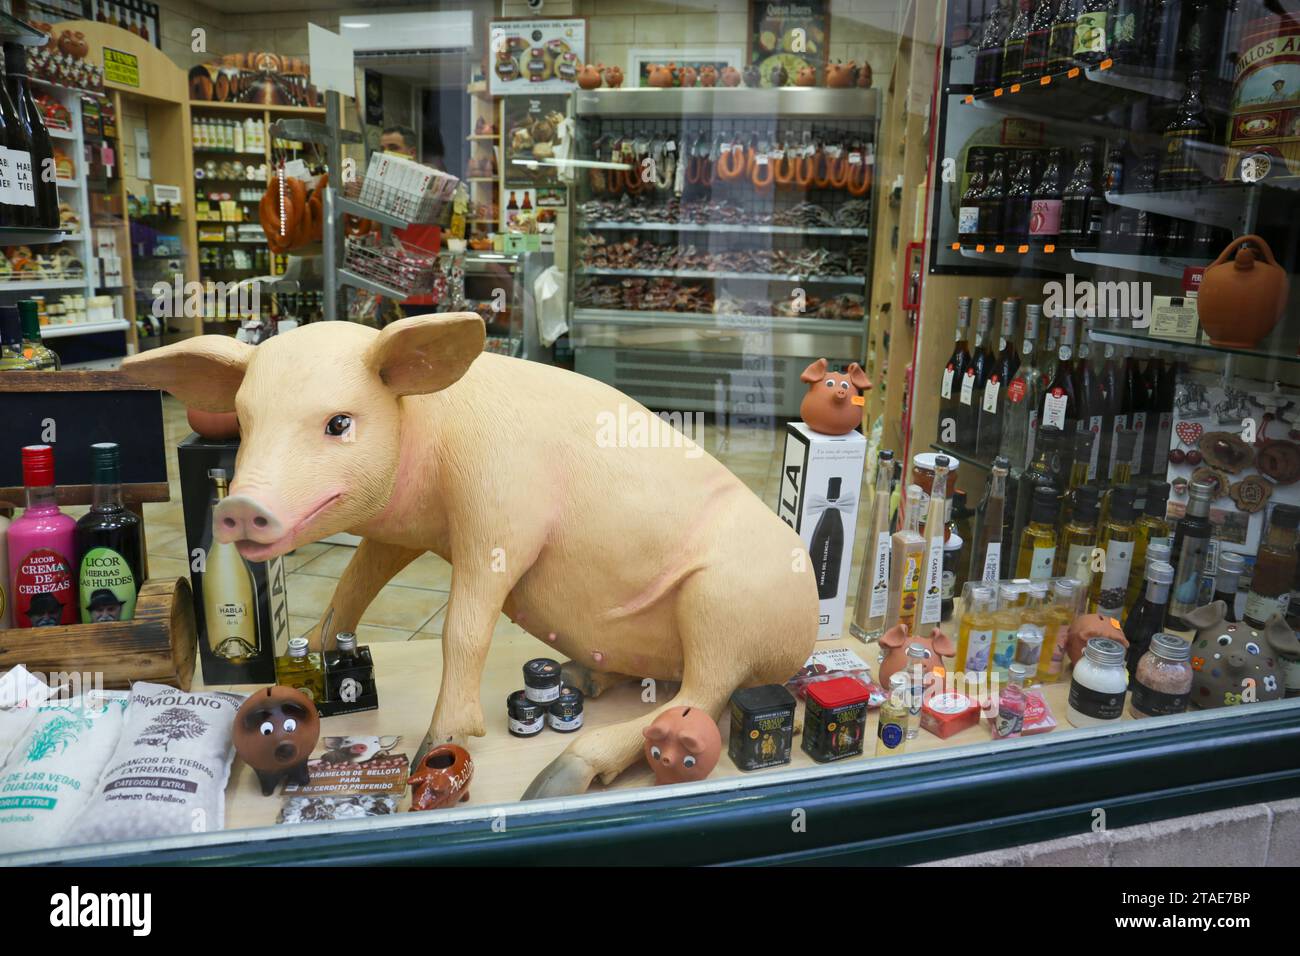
pixel 1264 139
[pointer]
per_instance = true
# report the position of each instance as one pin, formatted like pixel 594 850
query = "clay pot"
pixel 807 76
pixel 660 77
pixel 687 77
pixel 864 76
pixel 215 425
pixel 442 778
pixel 730 76
pixel 779 76
pixel 589 77
pixel 1241 301
pixel 683 744
pixel 613 77
pixel 708 76
pixel 840 75
pixel 753 76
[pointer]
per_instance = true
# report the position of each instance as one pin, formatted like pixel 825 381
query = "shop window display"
pixel 808 420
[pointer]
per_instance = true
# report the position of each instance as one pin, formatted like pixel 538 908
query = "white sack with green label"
pixel 21 692
pixel 53 770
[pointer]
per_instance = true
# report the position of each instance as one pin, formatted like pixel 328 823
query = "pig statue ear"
pixel 1210 615
pixel 858 378
pixel 654 733
pixel 942 643
pixel 426 353
pixel 204 372
pixel 896 636
pixel 814 373
pixel 1280 637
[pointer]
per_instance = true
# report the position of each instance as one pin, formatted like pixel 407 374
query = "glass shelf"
pixel 728 227
pixel 1061 260
pixel 1226 205
pixel 1141 338
pixel 966 458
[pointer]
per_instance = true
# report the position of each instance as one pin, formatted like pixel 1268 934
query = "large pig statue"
pixel 633 558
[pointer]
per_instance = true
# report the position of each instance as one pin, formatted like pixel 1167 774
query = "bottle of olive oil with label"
pixel 1038 540
pixel 229 594
pixel 110 546
pixel 872 605
pixel 1151 527
pixel 1110 588
pixel 1078 538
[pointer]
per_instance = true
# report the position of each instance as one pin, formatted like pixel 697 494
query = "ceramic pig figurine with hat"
pixel 834 403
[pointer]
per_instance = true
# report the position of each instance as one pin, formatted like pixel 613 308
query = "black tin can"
pixel 542 680
pixel 762 727
pixel 525 718
pixel 566 710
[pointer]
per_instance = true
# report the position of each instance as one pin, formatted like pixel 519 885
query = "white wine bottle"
pixel 229 595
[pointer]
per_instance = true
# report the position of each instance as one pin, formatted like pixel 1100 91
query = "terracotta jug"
pixel 589 77
pixel 807 76
pixel 840 75
pixel 1243 294
pixel 730 76
pixel 660 76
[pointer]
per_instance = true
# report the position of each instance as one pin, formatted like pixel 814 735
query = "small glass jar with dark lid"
pixel 1162 684
pixel 542 680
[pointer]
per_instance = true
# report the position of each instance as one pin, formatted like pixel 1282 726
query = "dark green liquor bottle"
pixel 1060 51
pixel 1013 49
pixel 988 53
pixel 1148 616
pixel 1189 128
pixel 110 546
pixel 1039 39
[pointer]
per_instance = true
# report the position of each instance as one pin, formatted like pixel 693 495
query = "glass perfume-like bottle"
pixel 301 670
pixel 906 565
pixel 872 605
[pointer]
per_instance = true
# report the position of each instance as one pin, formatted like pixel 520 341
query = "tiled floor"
pixel 412 606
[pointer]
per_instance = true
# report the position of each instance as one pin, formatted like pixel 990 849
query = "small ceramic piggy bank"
pixel 275 731
pixel 1233 663
pixel 895 642
pixel 833 405
pixel 682 744
pixel 442 778
pixel 1087 626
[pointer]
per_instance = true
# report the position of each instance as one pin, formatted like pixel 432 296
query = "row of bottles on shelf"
pixel 228 135
pixel 21 347
pixel 1028 197
pixel 1021 40
pixel 1136 567
pixel 1114 412
pixel 62 570
pixel 29 195
pixel 224 258
pixel 114 14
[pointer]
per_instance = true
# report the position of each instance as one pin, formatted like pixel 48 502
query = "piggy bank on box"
pixel 1233 663
pixel 834 403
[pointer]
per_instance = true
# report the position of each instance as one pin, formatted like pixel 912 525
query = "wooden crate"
pixel 157 645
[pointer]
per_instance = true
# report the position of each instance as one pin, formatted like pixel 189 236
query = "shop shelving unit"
pixel 695 361
pixel 485 189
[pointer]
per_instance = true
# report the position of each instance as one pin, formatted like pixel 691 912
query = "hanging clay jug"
pixel 660 77
pixel 687 77
pixel 807 76
pixel 589 77
pixel 613 77
pixel 1243 294
pixel 730 76
pixel 840 75
pixel 708 76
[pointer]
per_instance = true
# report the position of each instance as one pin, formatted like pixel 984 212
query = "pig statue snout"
pixel 241 518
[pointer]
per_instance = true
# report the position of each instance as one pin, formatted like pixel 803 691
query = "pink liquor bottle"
pixel 42 569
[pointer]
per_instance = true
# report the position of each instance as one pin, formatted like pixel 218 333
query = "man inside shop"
pixel 401 140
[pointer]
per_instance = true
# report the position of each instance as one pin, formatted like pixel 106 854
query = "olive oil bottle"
pixel 1038 540
pixel 1078 538
pixel 1152 527
pixel 1110 588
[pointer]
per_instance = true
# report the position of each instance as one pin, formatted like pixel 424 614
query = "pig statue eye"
pixel 290 725
pixel 338 425
pixel 655 753
pixel 266 729
pixel 1252 648
pixel 689 762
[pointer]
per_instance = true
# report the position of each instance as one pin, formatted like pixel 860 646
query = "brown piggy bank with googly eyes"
pixel 275 732
pixel 682 745
pixel 1234 663
pixel 896 641
pixel 834 403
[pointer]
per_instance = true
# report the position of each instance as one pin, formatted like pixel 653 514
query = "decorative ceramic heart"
pixel 1189 432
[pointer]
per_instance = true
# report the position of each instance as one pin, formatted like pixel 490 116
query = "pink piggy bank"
pixel 682 744
pixel 897 639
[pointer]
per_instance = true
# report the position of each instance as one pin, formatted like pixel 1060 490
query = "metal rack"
pixel 694 360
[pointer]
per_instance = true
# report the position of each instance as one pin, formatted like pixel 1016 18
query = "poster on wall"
pixel 536 56
pixel 135 16
pixel 533 126
pixel 785 36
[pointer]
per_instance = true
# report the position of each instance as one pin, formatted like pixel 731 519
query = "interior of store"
pixel 820 383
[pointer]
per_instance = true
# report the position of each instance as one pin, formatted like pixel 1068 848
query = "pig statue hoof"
pixel 566 775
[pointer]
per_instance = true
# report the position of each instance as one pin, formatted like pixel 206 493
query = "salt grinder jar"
pixel 1098 684
pixel 1162 683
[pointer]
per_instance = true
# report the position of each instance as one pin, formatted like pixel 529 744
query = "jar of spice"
pixel 1162 683
pixel 1098 684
